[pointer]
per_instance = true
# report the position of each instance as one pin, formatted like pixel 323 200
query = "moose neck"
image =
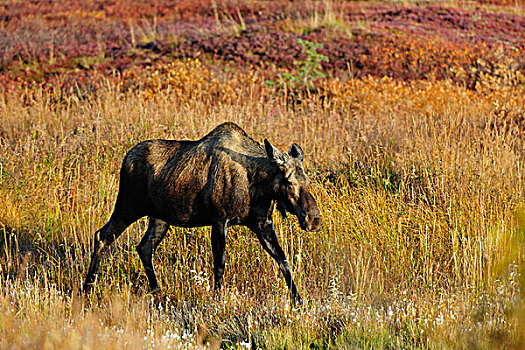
pixel 263 184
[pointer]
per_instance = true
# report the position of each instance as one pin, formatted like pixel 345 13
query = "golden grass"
pixel 418 184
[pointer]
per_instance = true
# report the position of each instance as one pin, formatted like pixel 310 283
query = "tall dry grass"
pixel 418 185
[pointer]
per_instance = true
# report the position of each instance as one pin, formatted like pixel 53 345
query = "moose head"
pixel 291 186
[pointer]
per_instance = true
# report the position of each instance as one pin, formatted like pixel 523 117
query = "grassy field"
pixel 416 161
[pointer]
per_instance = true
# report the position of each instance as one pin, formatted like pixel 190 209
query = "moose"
pixel 224 179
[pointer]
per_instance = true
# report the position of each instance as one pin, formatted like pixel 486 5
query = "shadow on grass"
pixel 25 255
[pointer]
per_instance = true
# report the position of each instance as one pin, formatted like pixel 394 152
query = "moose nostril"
pixel 313 223
pixel 316 223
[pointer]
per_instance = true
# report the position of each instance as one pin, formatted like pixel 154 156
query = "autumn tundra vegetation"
pixel 411 119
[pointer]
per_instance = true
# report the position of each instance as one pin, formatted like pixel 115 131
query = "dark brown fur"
pixel 224 179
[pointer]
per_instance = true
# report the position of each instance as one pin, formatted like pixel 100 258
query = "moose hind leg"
pixel 268 238
pixel 146 248
pixel 103 239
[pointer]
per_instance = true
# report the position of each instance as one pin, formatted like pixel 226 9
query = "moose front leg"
pixel 218 245
pixel 266 234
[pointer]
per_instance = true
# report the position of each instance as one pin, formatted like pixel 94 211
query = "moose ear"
pixel 296 152
pixel 270 150
pixel 273 153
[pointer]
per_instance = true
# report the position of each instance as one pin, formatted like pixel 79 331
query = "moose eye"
pixel 290 186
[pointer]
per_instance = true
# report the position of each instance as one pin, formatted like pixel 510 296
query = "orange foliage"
pixel 188 78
